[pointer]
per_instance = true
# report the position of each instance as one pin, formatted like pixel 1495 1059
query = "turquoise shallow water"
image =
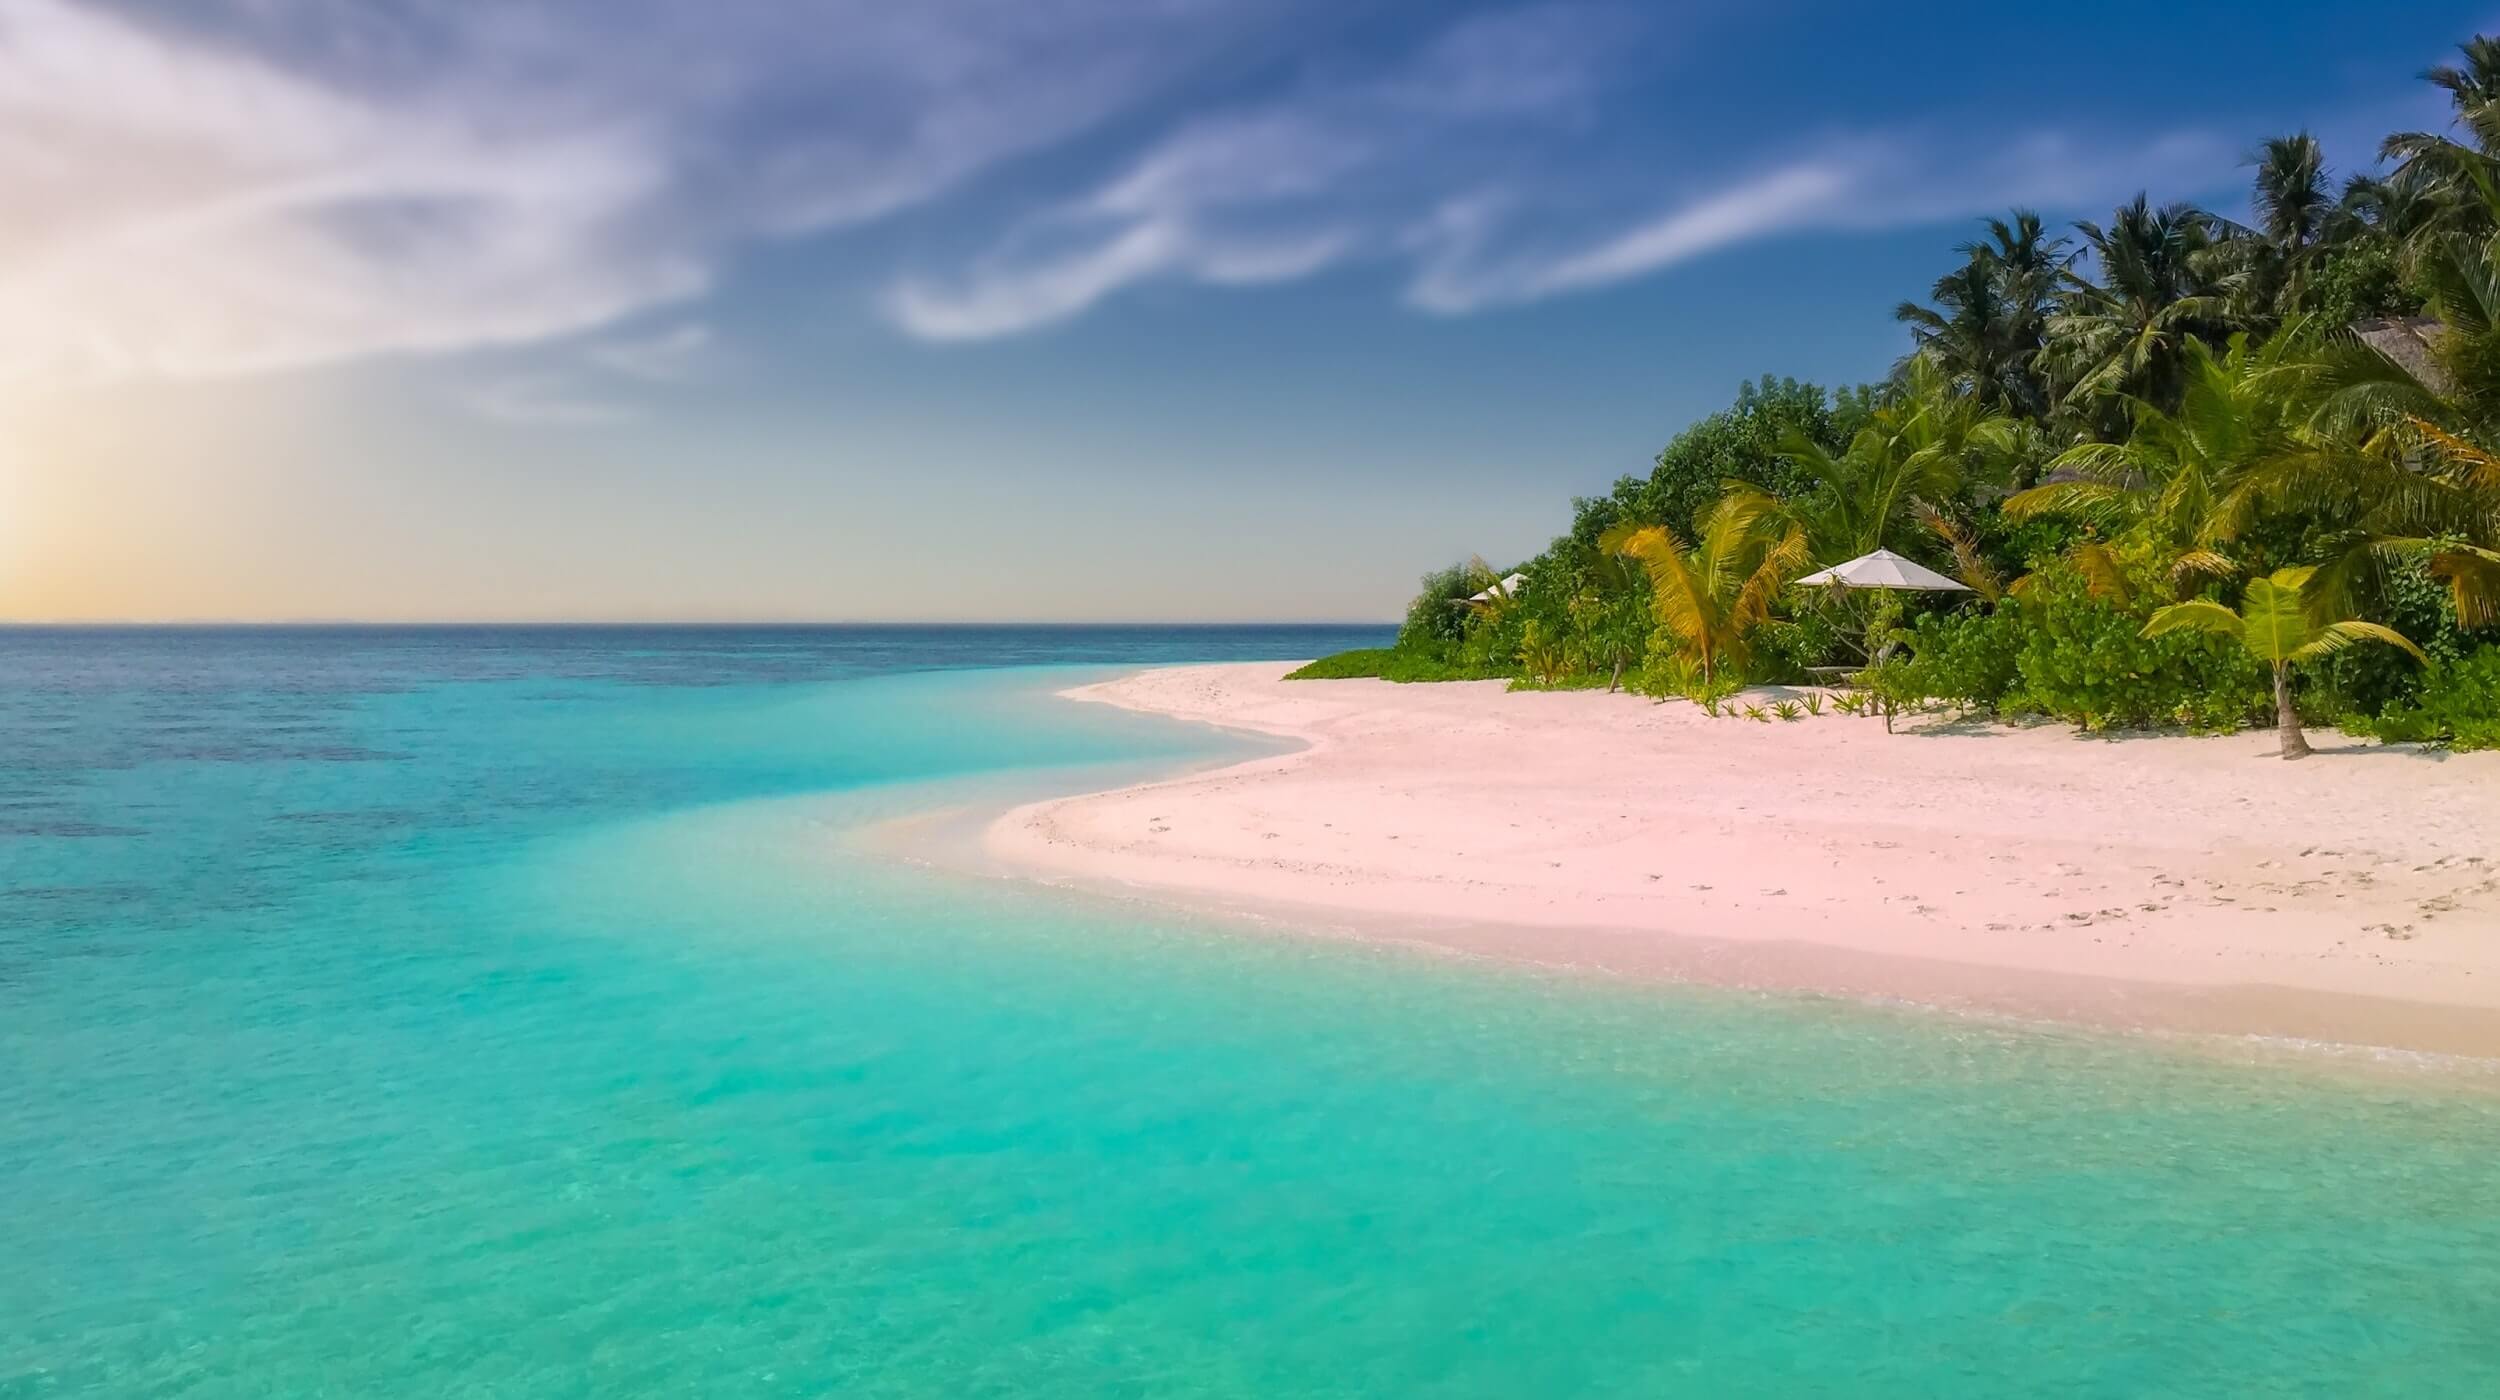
pixel 500 1014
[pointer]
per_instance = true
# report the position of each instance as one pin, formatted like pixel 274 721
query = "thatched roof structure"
pixel 2407 341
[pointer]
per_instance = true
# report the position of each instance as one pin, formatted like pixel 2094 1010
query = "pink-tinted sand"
pixel 2190 883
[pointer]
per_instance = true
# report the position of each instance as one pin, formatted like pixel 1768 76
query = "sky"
pixel 1140 310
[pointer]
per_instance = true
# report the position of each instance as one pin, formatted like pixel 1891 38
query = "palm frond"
pixel 2103 573
pixel 2196 615
pixel 2473 575
pixel 2084 498
pixel 2335 636
pixel 1977 573
pixel 2199 566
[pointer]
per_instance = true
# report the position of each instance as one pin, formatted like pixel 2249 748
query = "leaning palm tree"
pixel 1709 597
pixel 2274 624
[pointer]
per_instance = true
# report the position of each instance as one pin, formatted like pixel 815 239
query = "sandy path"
pixel 2199 882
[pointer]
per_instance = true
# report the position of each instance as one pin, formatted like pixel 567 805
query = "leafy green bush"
pixel 1438 616
pixel 1388 664
pixel 2459 702
pixel 2063 652
pixel 2085 659
pixel 2361 280
pixel 1967 658
pixel 2369 681
pixel 1784 650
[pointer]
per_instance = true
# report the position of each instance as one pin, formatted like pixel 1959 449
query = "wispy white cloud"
pixel 236 186
pixel 246 185
pixel 1858 183
pixel 1456 275
pixel 179 209
pixel 1459 165
pixel 1278 190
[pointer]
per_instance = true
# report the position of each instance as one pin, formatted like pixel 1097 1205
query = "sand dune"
pixel 2169 881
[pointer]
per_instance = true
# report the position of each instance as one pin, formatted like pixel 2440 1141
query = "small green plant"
pixel 1711 695
pixel 1851 702
pixel 1814 703
pixel 2275 625
pixel 1755 712
pixel 1788 710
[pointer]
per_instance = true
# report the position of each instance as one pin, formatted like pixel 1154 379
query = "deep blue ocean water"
pixel 501 1012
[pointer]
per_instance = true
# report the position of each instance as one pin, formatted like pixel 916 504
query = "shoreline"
pixel 2150 883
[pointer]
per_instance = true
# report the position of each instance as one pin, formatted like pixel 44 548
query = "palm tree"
pixel 2445 163
pixel 1608 613
pixel 1711 596
pixel 2157 287
pixel 2187 474
pixel 2274 624
pixel 1990 316
pixel 1493 600
pixel 2300 220
pixel 2474 89
pixel 2399 205
pixel 2293 206
pixel 1918 451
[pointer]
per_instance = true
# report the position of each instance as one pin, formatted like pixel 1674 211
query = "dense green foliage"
pixel 2181 483
pixel 2459 702
pixel 1388 664
pixel 2069 651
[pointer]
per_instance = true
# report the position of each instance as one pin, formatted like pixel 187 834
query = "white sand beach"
pixel 2173 882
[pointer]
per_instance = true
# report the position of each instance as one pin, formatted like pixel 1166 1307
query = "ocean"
pixel 512 1012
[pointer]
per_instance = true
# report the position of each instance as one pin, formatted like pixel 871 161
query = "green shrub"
pixel 2459 703
pixel 2371 681
pixel 1967 658
pixel 1388 664
pixel 2085 659
pixel 2062 652
pixel 1783 651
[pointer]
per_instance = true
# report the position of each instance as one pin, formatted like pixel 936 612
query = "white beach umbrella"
pixel 1508 588
pixel 1884 569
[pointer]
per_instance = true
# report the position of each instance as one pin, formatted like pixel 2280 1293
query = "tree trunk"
pixel 1615 682
pixel 2286 718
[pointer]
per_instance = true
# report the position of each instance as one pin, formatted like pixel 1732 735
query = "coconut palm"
pixel 2155 285
pixel 2294 207
pixel 2447 167
pixel 2473 89
pixel 2300 219
pixel 1709 597
pixel 1991 314
pixel 2400 205
pixel 2274 623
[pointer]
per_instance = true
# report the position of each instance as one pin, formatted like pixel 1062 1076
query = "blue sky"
pixel 1161 309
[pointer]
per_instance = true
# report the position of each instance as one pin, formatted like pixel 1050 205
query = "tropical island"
pixel 2187 471
pixel 1951 657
